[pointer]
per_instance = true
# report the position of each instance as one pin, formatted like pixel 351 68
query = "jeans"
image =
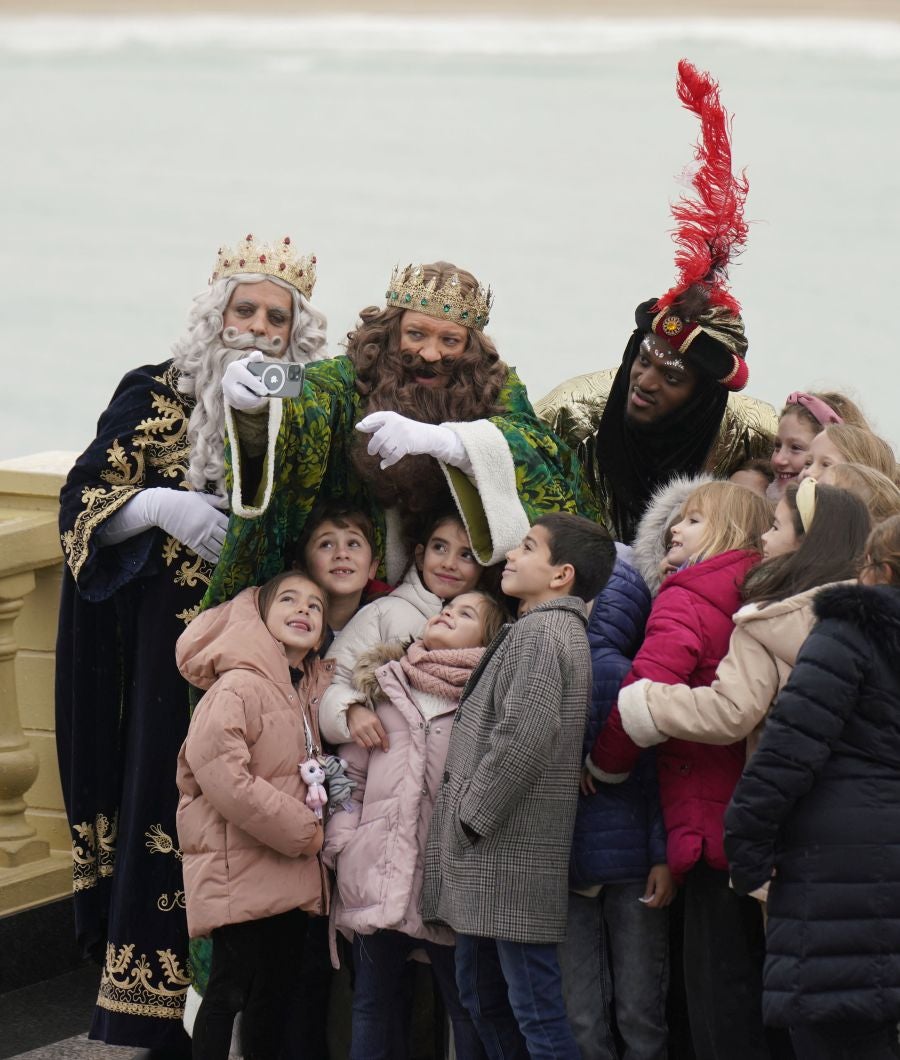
pixel 379 960
pixel 253 965
pixel 616 948
pixel 846 1041
pixel 724 949
pixel 514 992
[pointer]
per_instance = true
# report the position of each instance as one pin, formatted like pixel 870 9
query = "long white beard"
pixel 202 372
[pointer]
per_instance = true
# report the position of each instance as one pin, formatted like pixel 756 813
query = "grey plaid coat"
pixel 511 776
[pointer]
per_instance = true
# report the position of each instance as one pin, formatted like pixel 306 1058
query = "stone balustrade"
pixel 35 848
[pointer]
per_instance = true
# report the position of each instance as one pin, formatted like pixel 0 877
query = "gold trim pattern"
pixel 94 851
pixel 160 842
pixel 99 504
pixel 137 988
pixel 165 905
pixel 159 442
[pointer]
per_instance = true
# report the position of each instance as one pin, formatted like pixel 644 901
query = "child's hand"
pixel 661 888
pixel 365 728
pixel 588 785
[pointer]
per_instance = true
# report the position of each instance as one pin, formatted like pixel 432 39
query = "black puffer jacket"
pixel 820 803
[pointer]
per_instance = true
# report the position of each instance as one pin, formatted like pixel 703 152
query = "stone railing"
pixel 35 849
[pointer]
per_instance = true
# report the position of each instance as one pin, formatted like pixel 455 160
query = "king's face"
pixel 659 382
pixel 264 309
pixel 433 341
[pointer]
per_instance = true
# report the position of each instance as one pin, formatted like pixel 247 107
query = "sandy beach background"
pixel 537 145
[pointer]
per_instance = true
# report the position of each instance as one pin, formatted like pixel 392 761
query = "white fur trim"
pixel 649 538
pixel 637 720
pixel 494 476
pixel 602 776
pixel 238 506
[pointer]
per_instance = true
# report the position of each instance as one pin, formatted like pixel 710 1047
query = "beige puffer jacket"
pixel 249 841
pixel 378 848
pixel 761 655
pixel 399 616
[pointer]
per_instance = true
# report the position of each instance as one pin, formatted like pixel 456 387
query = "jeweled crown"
pixel 409 289
pixel 271 259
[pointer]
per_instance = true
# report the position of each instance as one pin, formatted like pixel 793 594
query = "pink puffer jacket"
pixel 249 841
pixel 378 849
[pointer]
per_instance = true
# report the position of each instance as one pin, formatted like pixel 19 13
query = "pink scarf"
pixel 442 672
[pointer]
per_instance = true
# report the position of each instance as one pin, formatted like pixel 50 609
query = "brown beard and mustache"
pixel 387 382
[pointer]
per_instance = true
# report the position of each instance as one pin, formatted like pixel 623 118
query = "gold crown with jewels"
pixel 270 259
pixel 408 289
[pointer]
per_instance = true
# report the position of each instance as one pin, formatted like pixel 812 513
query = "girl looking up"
pixel 378 848
pixel 816 539
pixel 444 566
pixel 248 838
pixel 713 547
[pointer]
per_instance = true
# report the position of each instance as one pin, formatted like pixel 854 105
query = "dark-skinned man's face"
pixel 660 382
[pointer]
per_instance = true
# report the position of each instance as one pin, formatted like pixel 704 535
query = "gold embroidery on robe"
pixel 93 852
pixel 165 905
pixel 160 842
pixel 138 987
pixel 160 441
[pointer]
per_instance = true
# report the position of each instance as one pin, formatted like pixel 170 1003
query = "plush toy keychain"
pixel 313 775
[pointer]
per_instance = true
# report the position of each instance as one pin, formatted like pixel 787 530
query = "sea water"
pixel 540 154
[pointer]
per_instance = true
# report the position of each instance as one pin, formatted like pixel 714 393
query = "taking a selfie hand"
pixel 242 389
pixel 365 728
pixel 395 436
pixel 195 519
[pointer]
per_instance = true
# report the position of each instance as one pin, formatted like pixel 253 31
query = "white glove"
pixel 242 389
pixel 395 436
pixel 195 519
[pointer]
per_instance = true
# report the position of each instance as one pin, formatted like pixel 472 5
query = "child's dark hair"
pixel 883 548
pixel 586 545
pixel 343 514
pixel 761 465
pixel 269 590
pixel 830 551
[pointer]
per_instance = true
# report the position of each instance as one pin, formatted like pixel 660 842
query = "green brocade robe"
pixel 308 458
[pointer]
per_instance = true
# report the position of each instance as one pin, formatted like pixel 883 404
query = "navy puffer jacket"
pixel 819 802
pixel 619 833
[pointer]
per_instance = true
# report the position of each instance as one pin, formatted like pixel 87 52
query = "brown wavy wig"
pixel 385 379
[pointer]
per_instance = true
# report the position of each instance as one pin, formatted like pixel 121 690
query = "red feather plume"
pixel 710 230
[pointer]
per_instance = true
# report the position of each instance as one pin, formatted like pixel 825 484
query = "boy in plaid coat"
pixel 496 863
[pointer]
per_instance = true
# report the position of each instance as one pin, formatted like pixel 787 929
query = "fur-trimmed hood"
pixel 874 610
pixel 649 541
pixel 363 678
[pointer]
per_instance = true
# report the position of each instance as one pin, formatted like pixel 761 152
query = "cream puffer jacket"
pixel 249 841
pixel 378 849
pixel 399 616
pixel 761 655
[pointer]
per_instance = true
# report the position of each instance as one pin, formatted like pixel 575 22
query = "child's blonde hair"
pixel 847 409
pixel 736 517
pixel 881 494
pixel 883 547
pixel 859 446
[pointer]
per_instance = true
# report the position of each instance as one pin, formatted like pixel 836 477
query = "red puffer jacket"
pixel 687 635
